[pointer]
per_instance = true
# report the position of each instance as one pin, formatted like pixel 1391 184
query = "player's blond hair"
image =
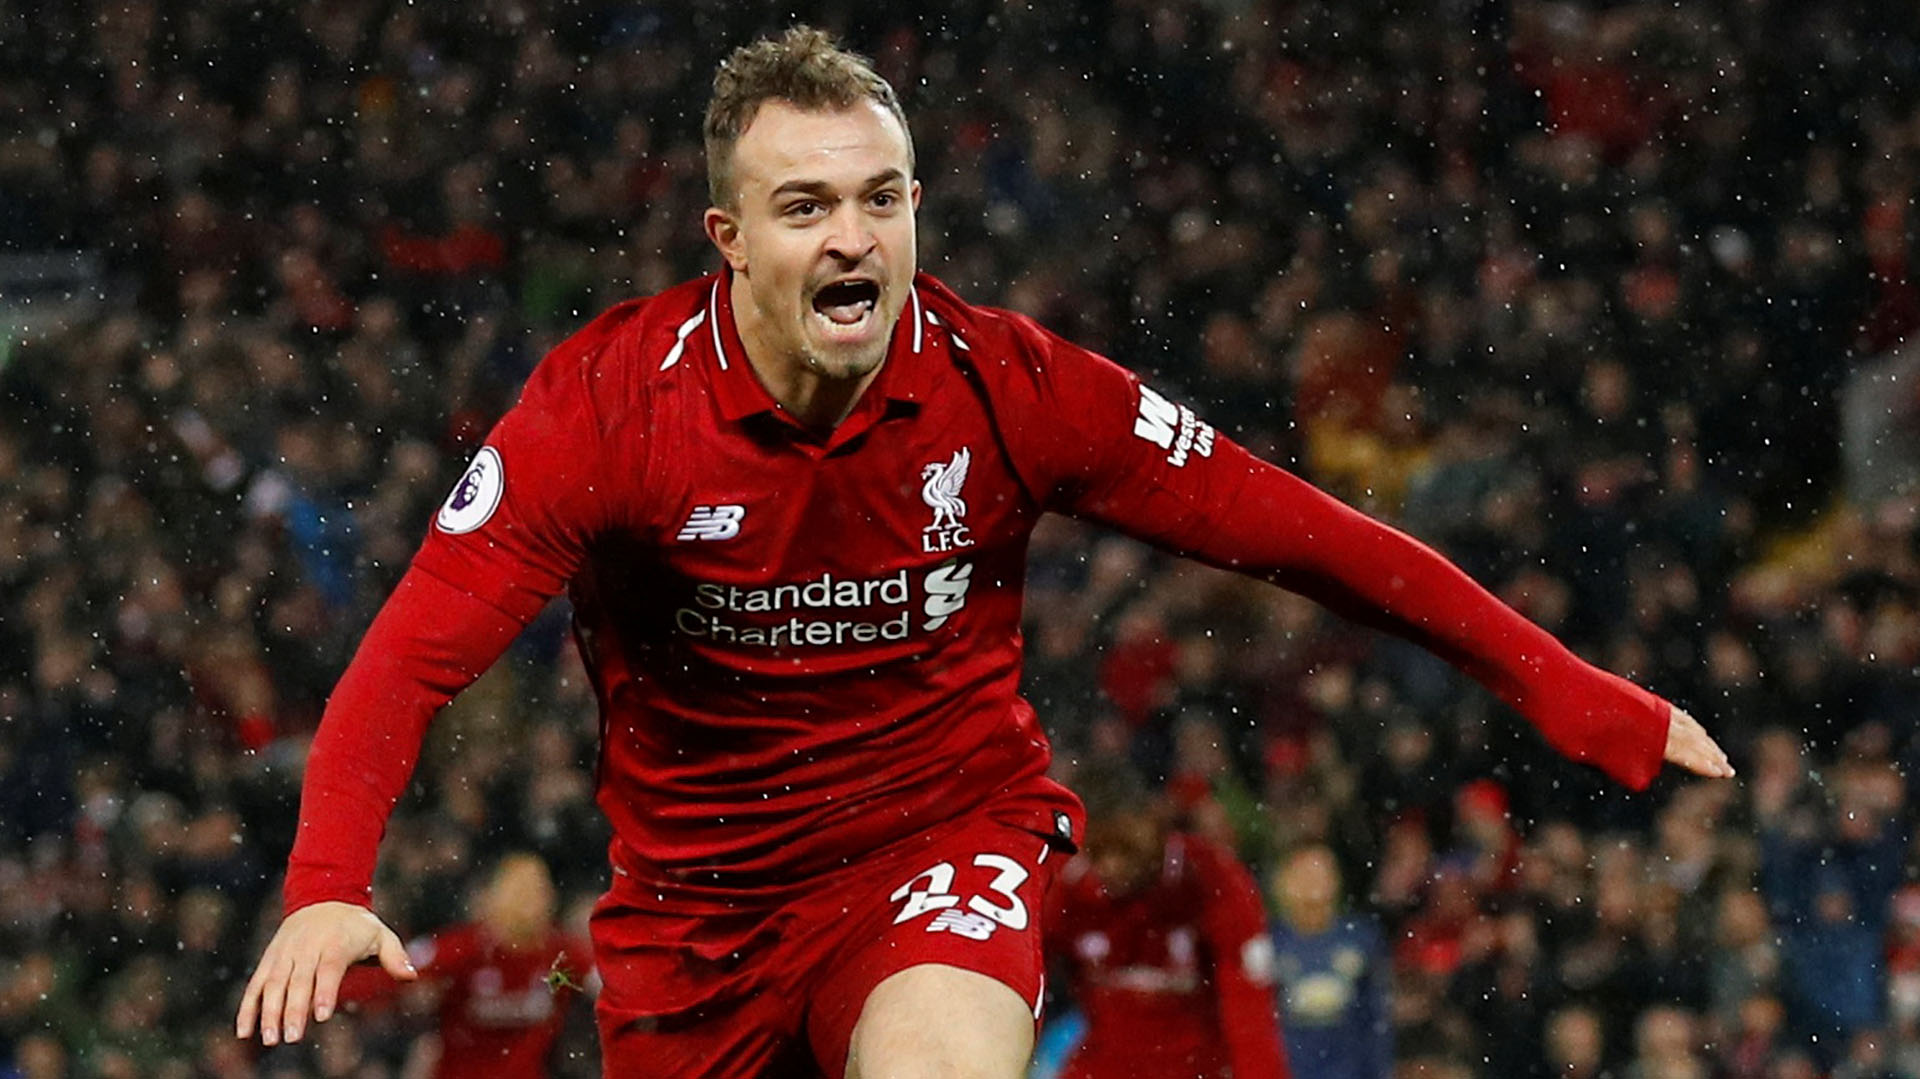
pixel 804 67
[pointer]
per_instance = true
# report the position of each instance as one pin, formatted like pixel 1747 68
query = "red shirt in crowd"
pixel 806 646
pixel 1175 978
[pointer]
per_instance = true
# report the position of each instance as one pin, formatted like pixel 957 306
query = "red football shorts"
pixel 695 986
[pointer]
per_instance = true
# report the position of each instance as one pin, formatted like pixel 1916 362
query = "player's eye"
pixel 885 200
pixel 805 208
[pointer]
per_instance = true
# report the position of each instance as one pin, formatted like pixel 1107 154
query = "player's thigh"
pixel 693 995
pixel 952 934
pixel 934 1020
pixel 741 1039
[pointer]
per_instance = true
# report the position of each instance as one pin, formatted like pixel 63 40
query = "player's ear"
pixel 724 230
pixel 913 194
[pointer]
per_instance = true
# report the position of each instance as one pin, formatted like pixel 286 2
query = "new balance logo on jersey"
pixel 1172 427
pixel 940 490
pixel 713 523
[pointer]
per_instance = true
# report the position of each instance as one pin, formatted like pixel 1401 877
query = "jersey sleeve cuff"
pixel 304 888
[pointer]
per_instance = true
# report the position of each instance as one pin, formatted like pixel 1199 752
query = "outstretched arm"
pixel 428 643
pixel 1256 518
pixel 509 537
pixel 1278 526
pixel 1089 439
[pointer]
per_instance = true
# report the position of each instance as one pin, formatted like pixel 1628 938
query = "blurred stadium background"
pixel 1609 300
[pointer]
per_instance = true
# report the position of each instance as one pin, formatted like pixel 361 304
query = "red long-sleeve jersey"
pixel 806 647
pixel 1175 978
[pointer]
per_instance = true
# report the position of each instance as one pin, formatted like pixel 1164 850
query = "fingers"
pixel 326 986
pixel 1691 747
pixel 273 996
pixel 250 1001
pixel 299 998
pixel 300 973
pixel 393 956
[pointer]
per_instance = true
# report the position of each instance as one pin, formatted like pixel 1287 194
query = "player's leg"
pixel 935 1020
pixel 936 966
pixel 743 1039
pixel 692 995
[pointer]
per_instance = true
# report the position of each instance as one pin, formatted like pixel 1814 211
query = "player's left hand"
pixel 1691 747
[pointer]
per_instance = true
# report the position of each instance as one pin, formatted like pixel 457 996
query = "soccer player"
pixel 505 978
pixel 1166 943
pixel 1332 972
pixel 790 503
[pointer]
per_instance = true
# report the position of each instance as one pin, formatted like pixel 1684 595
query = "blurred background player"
pixel 503 981
pixel 1164 939
pixel 1331 972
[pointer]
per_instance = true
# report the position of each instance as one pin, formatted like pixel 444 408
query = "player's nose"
pixel 850 235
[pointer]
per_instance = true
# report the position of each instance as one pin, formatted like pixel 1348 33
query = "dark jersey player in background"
pixel 790 503
pixel 1332 974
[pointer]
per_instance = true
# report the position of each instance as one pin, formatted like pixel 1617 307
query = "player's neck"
pixel 1312 921
pixel 814 400
pixel 817 402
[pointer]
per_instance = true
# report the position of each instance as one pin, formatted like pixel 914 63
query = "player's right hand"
pixel 1691 747
pixel 304 963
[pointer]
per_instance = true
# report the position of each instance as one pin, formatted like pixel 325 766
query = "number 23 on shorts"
pixel 997 905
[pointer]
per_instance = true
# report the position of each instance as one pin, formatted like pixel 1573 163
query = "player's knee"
pixel 937 1022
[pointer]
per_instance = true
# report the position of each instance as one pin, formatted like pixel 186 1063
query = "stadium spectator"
pixel 1831 968
pixel 1745 963
pixel 1749 1045
pixel 1576 1044
pixel 1666 1046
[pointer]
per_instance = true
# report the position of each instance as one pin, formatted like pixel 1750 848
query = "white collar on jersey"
pixel 710 315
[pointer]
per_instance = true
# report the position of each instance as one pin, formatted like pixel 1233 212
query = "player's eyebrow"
pixel 821 187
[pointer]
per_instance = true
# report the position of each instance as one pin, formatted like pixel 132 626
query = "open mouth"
pixel 847 304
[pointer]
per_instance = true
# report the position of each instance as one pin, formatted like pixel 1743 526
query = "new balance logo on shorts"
pixel 713 523
pixel 963 923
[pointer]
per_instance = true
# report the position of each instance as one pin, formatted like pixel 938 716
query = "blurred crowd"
pixel 1607 300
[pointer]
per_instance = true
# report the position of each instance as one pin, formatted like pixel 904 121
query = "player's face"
pixel 1310 882
pixel 1126 849
pixel 521 903
pixel 822 231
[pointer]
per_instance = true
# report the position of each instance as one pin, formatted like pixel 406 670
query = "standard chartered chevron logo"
pixel 946 592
